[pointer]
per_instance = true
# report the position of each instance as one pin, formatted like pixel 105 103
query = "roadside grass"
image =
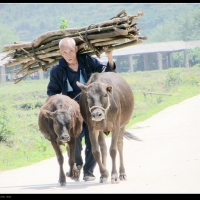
pixel 22 142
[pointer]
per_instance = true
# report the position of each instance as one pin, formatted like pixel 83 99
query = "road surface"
pixel 166 161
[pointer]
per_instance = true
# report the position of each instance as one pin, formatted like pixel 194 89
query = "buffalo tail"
pixel 130 136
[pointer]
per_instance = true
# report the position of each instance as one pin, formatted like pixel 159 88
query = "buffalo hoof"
pixel 62 181
pixel 103 179
pixel 104 176
pixel 76 179
pixel 62 184
pixel 75 176
pixel 123 177
pixel 114 179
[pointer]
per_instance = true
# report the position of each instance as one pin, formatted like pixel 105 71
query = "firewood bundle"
pixel 43 52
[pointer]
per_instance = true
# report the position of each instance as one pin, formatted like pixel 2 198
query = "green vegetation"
pixel 161 21
pixel 21 142
pixel 63 24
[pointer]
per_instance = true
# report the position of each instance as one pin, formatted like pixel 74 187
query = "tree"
pixel 63 24
pixel 194 56
pixel 7 36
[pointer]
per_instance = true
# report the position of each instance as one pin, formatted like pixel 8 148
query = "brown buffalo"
pixel 106 105
pixel 60 122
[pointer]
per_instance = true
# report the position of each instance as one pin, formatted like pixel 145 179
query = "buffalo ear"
pixel 46 113
pixel 81 86
pixel 109 89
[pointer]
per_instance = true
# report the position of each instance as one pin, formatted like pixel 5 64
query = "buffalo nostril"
pixel 94 114
pixel 97 114
pixel 65 138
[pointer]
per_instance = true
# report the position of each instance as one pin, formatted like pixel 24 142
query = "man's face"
pixel 69 54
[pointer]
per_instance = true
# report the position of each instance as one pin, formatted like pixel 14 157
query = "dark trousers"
pixel 90 162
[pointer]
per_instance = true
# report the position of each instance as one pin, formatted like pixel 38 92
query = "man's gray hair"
pixel 61 41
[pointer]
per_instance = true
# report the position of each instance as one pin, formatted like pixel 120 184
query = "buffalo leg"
pixel 113 154
pixel 73 171
pixel 122 174
pixel 60 159
pixel 103 147
pixel 96 153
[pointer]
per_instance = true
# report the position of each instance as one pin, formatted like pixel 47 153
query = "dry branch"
pixel 145 93
pixel 111 42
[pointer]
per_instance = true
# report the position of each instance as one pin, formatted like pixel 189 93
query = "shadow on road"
pixel 70 185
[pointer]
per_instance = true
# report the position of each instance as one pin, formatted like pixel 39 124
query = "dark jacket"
pixel 58 74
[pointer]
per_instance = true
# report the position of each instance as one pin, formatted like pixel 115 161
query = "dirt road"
pixel 166 161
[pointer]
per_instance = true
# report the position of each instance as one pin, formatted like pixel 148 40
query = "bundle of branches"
pixel 42 53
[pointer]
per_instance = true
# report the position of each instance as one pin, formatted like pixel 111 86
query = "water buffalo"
pixel 106 105
pixel 60 122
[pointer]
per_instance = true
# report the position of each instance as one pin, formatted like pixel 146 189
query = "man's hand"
pixel 110 57
pixel 108 53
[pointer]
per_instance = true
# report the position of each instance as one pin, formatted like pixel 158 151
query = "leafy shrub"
pixel 191 79
pixel 197 66
pixel 38 104
pixel 28 106
pixel 194 56
pixel 5 124
pixel 172 78
pixel 159 99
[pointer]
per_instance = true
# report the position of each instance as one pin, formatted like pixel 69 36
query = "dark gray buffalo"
pixel 60 122
pixel 106 105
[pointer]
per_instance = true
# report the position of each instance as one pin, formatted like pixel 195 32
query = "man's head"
pixel 68 50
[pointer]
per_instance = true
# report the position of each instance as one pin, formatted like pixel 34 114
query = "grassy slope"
pixel 21 102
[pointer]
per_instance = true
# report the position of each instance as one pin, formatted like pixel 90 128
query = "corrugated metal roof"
pixel 155 47
pixel 146 48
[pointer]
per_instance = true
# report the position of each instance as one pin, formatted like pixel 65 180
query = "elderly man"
pixel 74 67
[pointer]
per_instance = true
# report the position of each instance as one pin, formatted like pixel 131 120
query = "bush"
pixel 5 124
pixel 29 106
pixel 172 78
pixel 197 66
